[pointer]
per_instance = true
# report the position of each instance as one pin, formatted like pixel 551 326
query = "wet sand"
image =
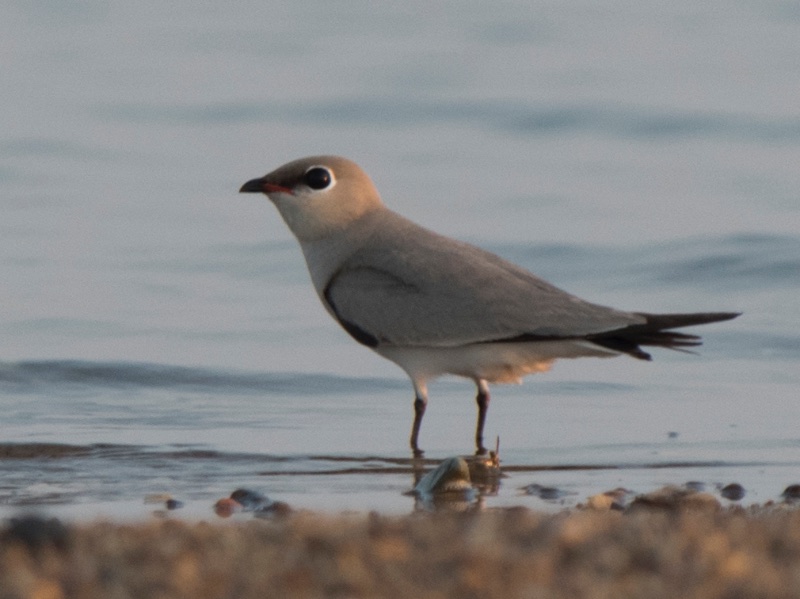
pixel 693 550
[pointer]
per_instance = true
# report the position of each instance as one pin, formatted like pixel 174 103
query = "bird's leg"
pixel 419 411
pixel 420 403
pixel 483 406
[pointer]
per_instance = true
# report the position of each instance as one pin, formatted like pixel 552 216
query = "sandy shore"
pixel 698 552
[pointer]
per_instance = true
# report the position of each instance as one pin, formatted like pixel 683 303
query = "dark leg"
pixel 483 406
pixel 419 411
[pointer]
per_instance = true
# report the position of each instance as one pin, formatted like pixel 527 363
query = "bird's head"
pixel 319 195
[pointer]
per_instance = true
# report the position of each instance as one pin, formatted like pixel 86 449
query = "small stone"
pixel 791 493
pixel 173 504
pixel 733 491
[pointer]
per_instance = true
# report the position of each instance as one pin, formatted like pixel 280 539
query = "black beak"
pixel 253 186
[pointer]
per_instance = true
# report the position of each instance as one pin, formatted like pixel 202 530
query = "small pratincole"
pixel 434 305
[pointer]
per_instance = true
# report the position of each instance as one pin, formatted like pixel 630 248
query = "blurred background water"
pixel 158 331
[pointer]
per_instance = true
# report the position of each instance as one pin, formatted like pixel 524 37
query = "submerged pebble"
pixel 544 492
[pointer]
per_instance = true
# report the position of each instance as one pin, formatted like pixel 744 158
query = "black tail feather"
pixel 656 332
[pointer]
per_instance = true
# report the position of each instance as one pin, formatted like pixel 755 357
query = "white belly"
pixel 492 362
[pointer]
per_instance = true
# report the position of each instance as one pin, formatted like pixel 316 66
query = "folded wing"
pixel 438 292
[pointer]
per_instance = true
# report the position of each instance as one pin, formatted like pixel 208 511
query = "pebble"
pixel 791 493
pixel 173 504
pixel 227 507
pixel 733 491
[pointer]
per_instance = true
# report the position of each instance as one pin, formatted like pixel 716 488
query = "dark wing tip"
pixel 657 332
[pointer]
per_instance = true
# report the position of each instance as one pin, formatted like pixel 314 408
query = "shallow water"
pixel 158 332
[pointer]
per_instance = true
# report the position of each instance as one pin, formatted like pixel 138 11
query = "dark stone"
pixel 733 491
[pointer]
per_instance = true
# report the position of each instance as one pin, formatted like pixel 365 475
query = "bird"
pixel 434 305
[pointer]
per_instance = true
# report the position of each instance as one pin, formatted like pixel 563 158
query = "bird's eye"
pixel 317 177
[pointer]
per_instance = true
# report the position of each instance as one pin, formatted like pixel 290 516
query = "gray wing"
pixel 409 286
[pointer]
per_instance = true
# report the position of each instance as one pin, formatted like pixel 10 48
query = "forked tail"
pixel 657 332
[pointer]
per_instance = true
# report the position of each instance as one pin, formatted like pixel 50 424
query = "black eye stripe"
pixel 318 177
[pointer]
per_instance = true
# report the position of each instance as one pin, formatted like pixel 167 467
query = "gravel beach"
pixel 690 551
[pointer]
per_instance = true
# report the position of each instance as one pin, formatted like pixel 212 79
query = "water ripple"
pixel 36 376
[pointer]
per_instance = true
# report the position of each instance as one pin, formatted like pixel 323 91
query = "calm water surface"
pixel 158 332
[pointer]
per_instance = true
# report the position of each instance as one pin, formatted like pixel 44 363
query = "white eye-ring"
pixel 319 177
